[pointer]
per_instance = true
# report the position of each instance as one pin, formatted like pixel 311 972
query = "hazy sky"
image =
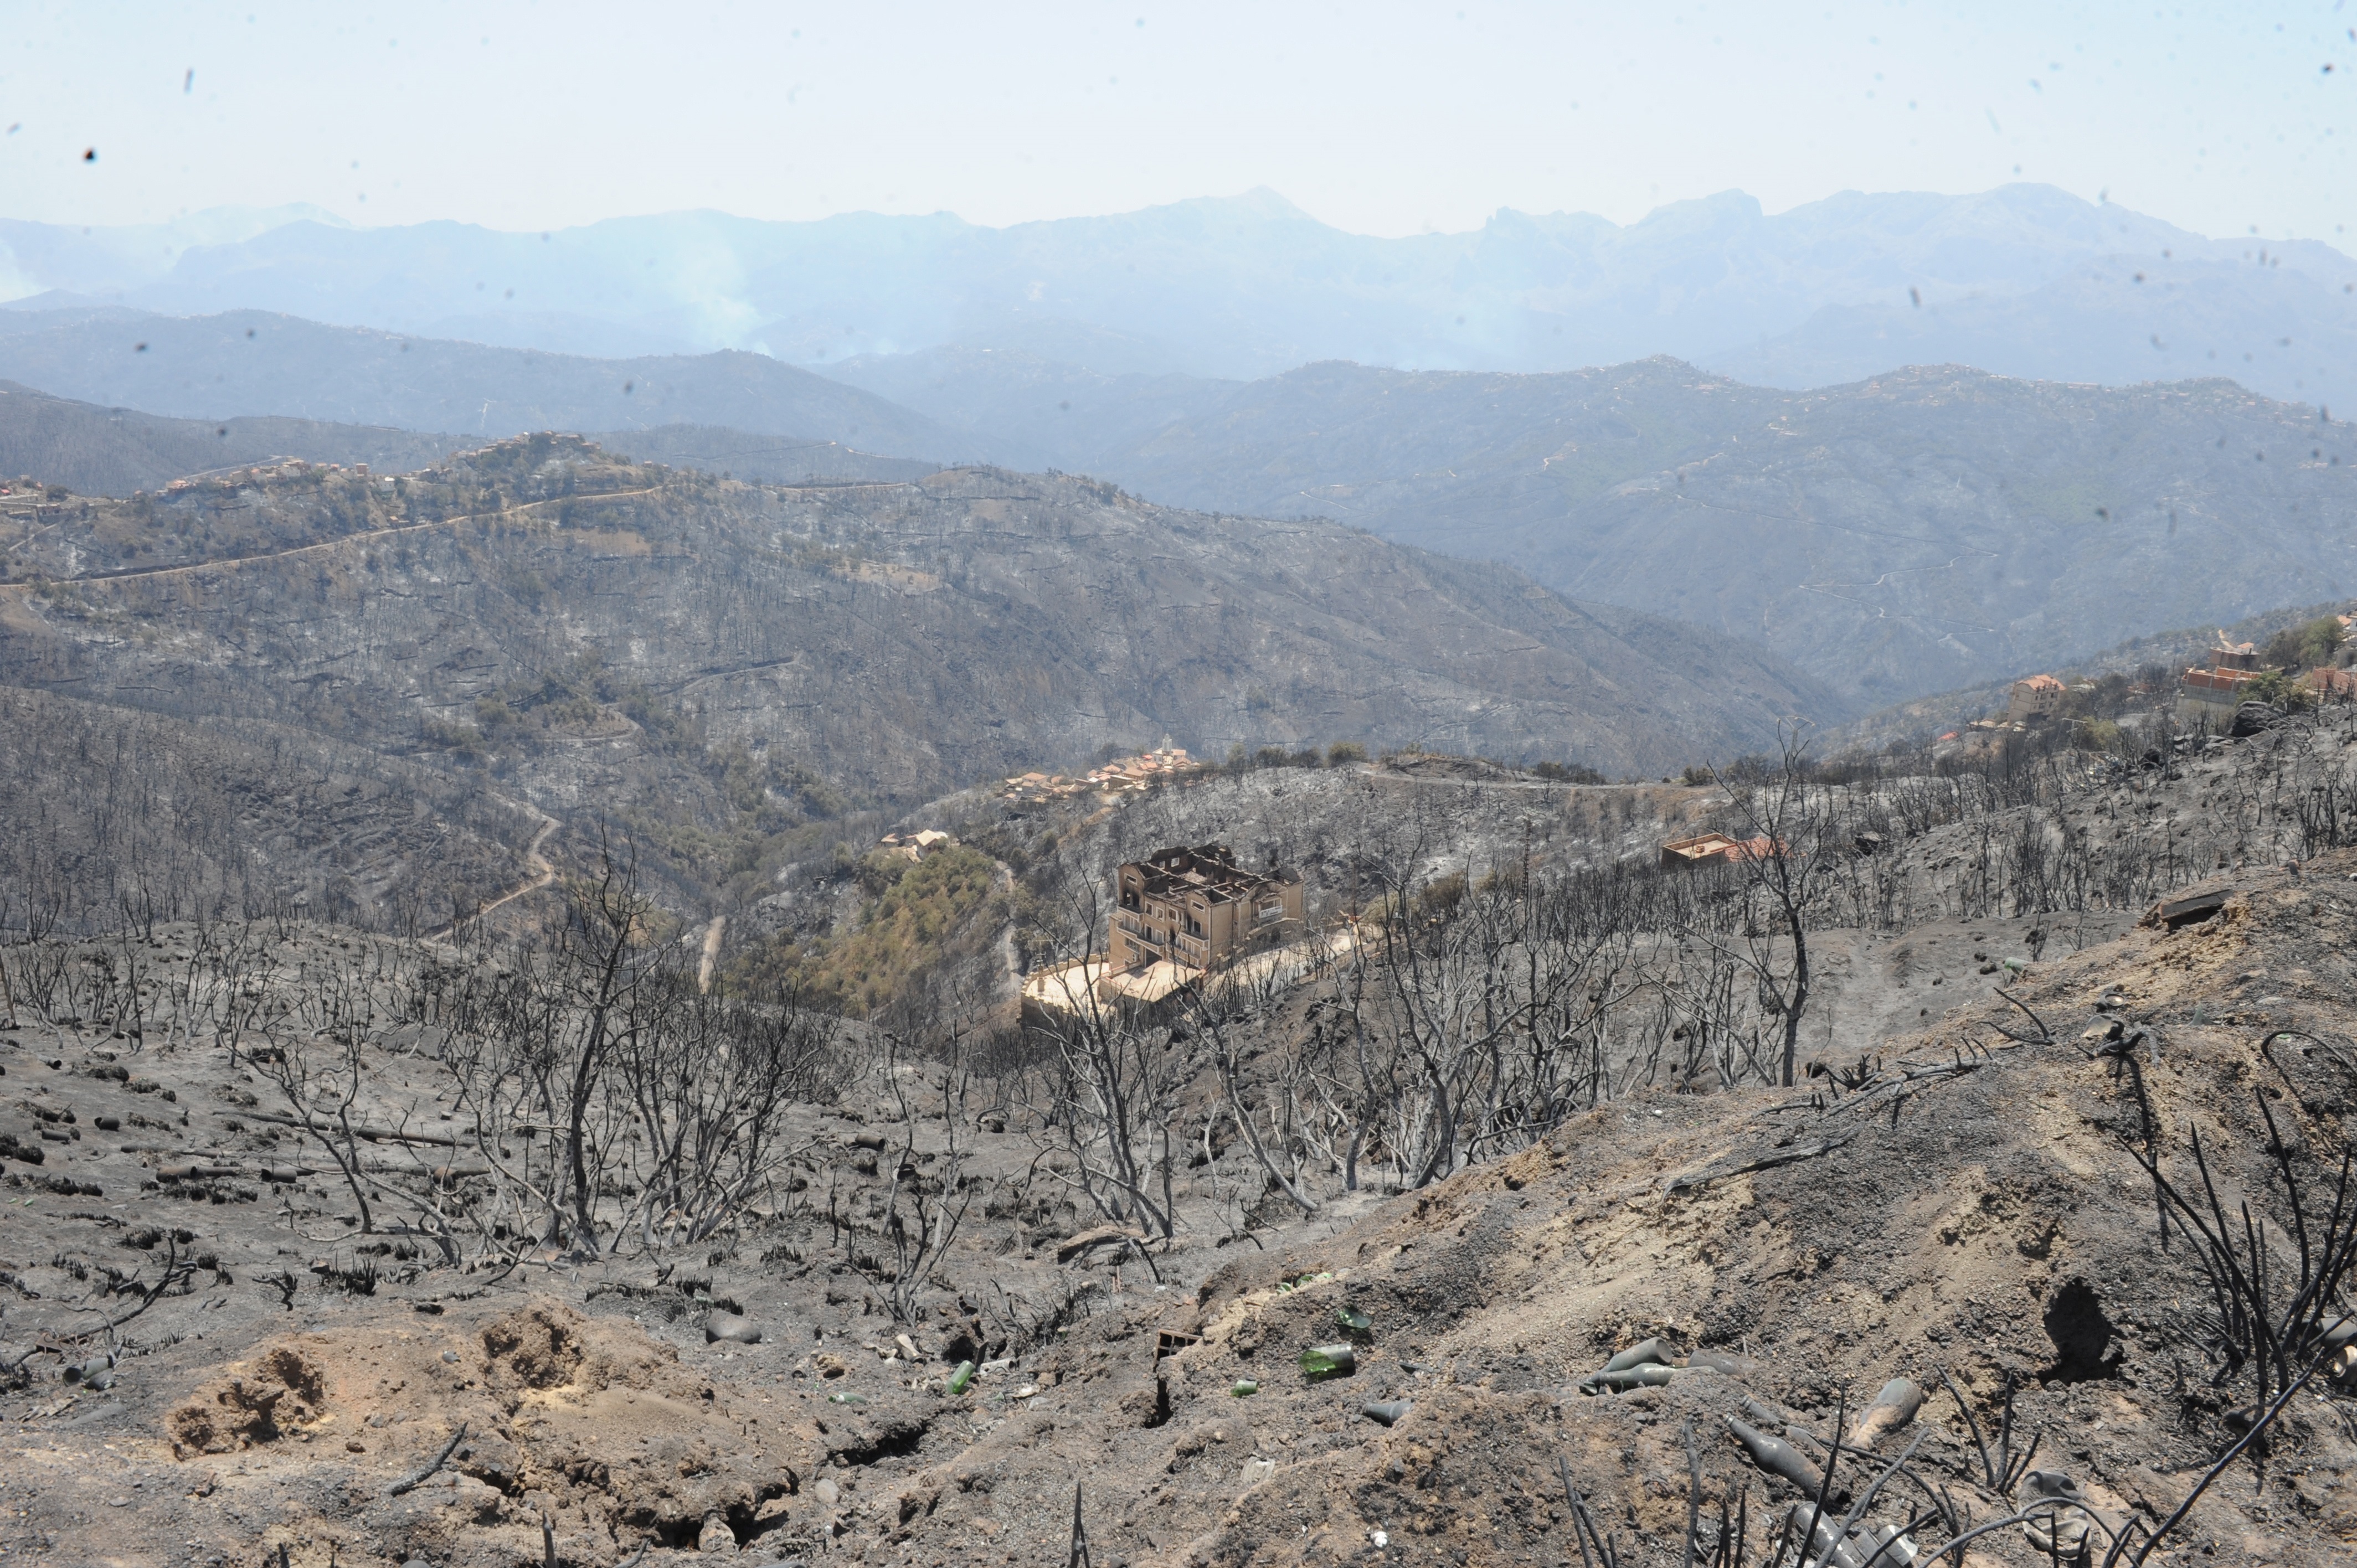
pixel 1382 118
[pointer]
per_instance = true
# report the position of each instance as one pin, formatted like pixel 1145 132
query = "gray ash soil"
pixel 1991 1221
pixel 294 1368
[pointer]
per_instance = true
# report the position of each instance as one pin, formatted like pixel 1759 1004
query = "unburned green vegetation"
pixel 916 915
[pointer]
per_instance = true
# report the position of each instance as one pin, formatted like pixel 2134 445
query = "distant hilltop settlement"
pixel 2030 704
pixel 268 469
pixel 2208 697
pixel 1167 761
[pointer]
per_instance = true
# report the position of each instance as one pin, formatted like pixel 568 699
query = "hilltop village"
pixel 2235 687
pixel 1126 773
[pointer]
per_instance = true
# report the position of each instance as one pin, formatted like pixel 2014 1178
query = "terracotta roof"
pixel 1720 846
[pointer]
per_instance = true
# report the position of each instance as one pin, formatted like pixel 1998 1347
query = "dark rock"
pixel 2254 718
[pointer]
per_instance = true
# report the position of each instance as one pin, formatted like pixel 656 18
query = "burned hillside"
pixel 1975 1203
pixel 108 813
pixel 714 666
pixel 585 1258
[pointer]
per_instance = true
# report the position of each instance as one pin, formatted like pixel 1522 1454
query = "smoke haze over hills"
pixel 1923 531
pixel 2021 280
pixel 250 363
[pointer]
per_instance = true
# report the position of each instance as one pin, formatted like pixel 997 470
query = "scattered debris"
pixel 1892 1409
pixel 1777 1458
pixel 1322 1361
pixel 2170 914
pixel 1647 1365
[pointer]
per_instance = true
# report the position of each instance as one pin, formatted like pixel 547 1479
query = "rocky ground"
pixel 1969 1203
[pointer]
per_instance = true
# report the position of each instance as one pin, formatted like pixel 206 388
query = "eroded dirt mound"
pixel 241 1410
pixel 587 1420
pixel 539 1348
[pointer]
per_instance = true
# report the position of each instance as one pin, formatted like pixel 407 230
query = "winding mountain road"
pixel 543 872
pixel 134 573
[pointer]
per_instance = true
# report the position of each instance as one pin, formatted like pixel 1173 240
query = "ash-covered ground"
pixel 208 1359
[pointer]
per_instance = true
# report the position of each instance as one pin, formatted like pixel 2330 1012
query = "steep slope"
pixel 110 813
pixel 1928 530
pixel 1976 1209
pixel 591 627
pixel 247 362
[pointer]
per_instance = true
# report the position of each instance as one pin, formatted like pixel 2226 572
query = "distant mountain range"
pixel 1382 499
pixel 2024 280
pixel 98 451
pixel 1915 533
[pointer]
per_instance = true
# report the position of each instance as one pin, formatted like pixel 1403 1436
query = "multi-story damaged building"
pixel 2206 699
pixel 1197 908
pixel 2035 700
